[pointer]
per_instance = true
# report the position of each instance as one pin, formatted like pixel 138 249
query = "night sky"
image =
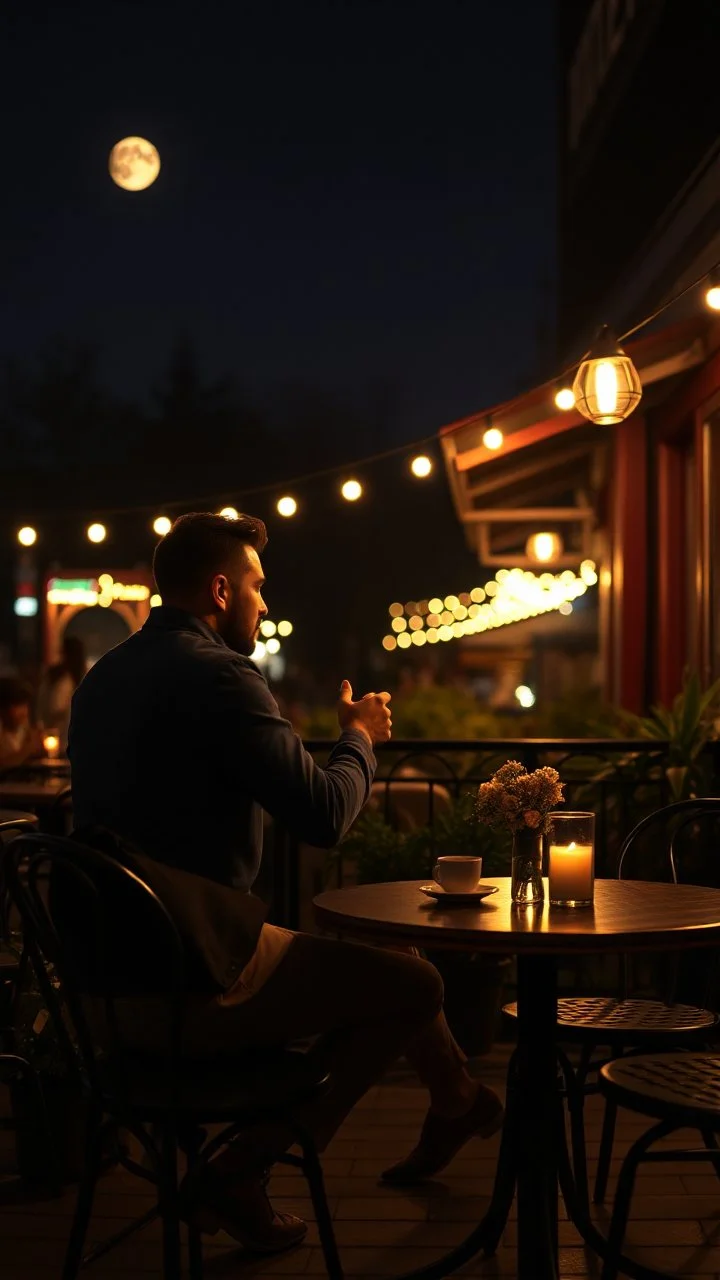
pixel 356 194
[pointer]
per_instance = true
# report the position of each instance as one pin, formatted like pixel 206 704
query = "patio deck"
pixel 381 1232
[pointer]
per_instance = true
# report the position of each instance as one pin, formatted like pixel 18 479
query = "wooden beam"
pixel 534 434
pixel 521 515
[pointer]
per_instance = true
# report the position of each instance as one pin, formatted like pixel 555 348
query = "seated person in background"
pixel 177 745
pixel 59 684
pixel 19 740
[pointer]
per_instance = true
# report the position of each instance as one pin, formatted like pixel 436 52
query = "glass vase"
pixel 527 882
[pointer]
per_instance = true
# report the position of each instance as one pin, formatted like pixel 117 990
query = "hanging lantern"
pixel 607 387
pixel 544 548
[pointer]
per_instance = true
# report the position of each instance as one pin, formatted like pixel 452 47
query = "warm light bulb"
pixel 351 490
pixel 421 466
pixel 268 628
pixel 273 645
pixel 525 696
pixel 565 398
pixel 712 297
pixel 229 513
pixel 285 628
pixel 162 525
pixel 606 387
pixel 96 532
pixel 27 536
pixel 544 547
pixel 286 506
pixel 493 438
pixel 155 601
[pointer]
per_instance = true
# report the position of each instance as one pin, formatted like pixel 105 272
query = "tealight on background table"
pixel 627 915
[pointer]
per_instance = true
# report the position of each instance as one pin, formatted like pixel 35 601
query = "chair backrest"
pixel 12 823
pixel 410 804
pixel 680 842
pixel 107 937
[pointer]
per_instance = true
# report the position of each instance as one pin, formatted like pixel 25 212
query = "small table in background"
pixel 628 915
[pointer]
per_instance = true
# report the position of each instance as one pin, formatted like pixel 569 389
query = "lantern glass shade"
pixel 544 548
pixel 607 387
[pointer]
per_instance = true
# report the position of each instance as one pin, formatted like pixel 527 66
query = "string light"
pixel 286 506
pixel 96 532
pixel 608 396
pixel 493 438
pixel 565 398
pixel 162 525
pixel 421 466
pixel 515 595
pixel 607 387
pixel 27 536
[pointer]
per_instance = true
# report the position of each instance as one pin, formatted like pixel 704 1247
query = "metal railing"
pixel 621 780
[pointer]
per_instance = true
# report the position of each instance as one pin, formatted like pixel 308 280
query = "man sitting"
pixel 177 745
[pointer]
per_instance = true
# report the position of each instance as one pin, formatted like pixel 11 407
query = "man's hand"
pixel 371 714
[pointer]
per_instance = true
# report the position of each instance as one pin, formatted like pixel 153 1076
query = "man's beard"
pixel 237 639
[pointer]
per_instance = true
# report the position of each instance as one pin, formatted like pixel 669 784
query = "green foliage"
pixel 379 853
pixel 687 726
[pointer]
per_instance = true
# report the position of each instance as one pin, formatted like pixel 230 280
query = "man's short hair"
pixel 14 693
pixel 199 545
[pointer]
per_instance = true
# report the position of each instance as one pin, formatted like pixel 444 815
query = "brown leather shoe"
pixel 442 1138
pixel 243 1210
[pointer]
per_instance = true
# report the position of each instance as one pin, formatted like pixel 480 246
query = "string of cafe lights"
pixel 513 595
pixel 606 389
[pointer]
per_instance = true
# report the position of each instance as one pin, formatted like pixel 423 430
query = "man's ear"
pixel 220 591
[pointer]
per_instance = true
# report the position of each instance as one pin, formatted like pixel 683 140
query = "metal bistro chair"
pixel 679 1091
pixel 163 1099
pixel 626 1024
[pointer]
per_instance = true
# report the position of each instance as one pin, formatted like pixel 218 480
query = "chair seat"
pixel 216 1089
pixel 629 1021
pixel 682 1087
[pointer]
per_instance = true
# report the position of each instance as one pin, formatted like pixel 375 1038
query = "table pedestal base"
pixel 533 1154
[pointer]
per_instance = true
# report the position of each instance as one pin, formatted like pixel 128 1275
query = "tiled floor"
pixel 675 1222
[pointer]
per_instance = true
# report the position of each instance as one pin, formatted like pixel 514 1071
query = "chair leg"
pixel 623 1197
pixel 86 1196
pixel 192 1142
pixel 575 1096
pixel 711 1144
pixel 606 1149
pixel 169 1204
pixel 312 1170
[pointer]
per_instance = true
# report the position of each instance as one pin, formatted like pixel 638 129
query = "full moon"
pixel 134 164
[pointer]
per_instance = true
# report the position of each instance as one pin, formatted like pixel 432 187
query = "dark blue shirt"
pixel 177 744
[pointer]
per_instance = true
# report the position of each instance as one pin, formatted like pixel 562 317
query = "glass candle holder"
pixel 571 859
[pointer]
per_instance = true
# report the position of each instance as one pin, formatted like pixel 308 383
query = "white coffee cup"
pixel 458 874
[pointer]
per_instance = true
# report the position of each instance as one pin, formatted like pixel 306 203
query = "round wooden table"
pixel 628 915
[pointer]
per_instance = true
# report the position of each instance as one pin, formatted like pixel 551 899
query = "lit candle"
pixel 51 743
pixel 570 873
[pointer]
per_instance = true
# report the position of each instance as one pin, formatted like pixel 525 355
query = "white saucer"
pixel 458 899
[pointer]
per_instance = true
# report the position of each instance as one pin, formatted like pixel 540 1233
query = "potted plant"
pixel 687 726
